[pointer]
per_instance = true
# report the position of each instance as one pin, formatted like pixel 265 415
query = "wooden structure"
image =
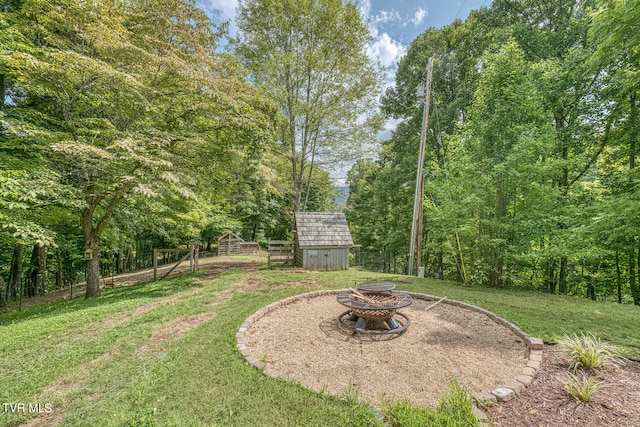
pixel 280 251
pixel 232 244
pixel 191 252
pixel 322 241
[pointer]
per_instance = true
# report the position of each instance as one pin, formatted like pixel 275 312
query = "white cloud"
pixel 386 49
pixel 419 16
pixel 386 16
pixel 220 11
pixel 224 9
pixel 383 48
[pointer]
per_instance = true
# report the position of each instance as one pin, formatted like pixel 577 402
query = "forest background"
pixel 124 127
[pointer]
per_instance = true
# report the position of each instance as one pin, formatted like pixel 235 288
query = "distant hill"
pixel 341 196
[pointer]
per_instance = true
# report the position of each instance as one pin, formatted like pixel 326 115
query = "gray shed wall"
pixel 324 259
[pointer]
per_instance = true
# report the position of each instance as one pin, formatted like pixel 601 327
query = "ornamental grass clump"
pixel 582 386
pixel 588 352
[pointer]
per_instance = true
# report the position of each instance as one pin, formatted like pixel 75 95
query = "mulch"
pixel 545 403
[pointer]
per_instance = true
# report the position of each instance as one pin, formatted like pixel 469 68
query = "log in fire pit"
pixel 373 308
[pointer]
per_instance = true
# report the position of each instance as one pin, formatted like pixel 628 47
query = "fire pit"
pixel 372 304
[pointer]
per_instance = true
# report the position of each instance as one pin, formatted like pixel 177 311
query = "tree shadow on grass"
pixel 147 291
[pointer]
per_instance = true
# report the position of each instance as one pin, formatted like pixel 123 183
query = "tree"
pixel 120 96
pixel 457 48
pixel 509 136
pixel 615 29
pixel 554 35
pixel 309 57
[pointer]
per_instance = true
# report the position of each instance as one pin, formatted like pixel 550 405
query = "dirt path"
pixel 213 266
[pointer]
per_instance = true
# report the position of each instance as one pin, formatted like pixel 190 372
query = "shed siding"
pixel 325 259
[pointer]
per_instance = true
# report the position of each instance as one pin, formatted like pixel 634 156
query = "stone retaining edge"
pixel 502 393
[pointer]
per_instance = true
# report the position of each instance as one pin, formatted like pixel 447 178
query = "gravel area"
pixel 304 341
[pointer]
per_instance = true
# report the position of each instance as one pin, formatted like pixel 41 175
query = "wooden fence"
pixel 280 251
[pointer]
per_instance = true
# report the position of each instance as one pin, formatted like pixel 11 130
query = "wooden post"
pixel 417 201
pixel 155 265
pixel 464 272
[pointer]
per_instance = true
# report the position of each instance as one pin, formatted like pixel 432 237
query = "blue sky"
pixel 393 24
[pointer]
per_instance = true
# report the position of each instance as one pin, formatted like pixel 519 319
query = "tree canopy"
pixel 531 159
pixel 115 100
pixel 309 58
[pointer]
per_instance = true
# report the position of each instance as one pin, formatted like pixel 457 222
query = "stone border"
pixel 503 393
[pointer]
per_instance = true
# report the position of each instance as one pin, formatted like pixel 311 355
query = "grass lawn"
pixel 163 353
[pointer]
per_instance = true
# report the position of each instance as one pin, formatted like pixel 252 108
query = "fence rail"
pixel 280 251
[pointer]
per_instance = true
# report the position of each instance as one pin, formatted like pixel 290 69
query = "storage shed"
pixel 232 244
pixel 322 241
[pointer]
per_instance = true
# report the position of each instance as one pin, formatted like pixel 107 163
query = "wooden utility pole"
pixel 417 201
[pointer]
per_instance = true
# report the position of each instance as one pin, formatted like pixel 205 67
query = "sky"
pixel 393 25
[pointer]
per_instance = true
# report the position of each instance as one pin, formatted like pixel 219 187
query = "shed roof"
pixel 322 229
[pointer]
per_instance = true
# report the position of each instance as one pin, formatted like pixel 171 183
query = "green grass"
pixel 84 356
pixel 455 410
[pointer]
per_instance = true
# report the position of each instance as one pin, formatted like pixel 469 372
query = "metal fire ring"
pixel 400 328
pixel 375 286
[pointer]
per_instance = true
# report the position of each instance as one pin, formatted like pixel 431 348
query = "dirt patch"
pixel 58 391
pixel 305 341
pixel 546 403
pixel 45 419
pixel 150 306
pixel 177 329
pixel 256 283
pixel 221 296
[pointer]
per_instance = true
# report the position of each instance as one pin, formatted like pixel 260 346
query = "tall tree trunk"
pixel 92 251
pixel 551 277
pixel 15 273
pixel 93 268
pixel 562 275
pixel 496 253
pixel 41 279
pixel 3 292
pixel 59 276
pixel 633 284
pixel 591 289
pixel 633 244
pixel 3 89
pixel 32 274
pixel 440 265
pixel 37 274
pixel 618 278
